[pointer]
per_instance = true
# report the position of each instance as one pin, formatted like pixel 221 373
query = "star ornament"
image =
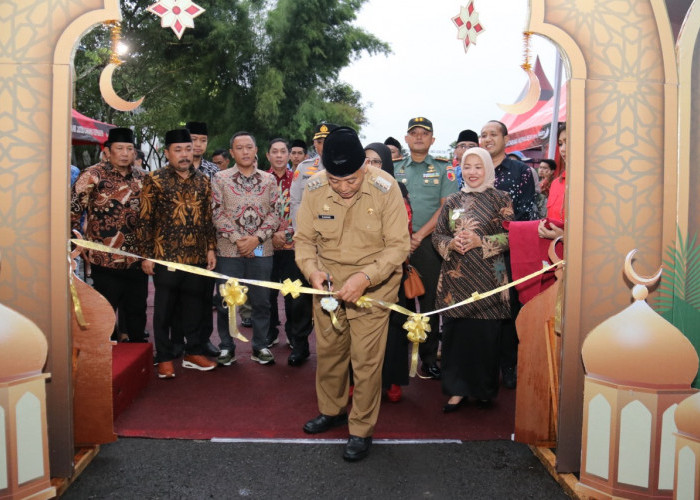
pixel 176 14
pixel 468 25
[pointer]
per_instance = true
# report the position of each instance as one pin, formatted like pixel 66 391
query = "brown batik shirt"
pixel 110 201
pixel 175 223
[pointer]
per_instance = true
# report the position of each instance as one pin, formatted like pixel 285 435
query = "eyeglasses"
pixel 375 162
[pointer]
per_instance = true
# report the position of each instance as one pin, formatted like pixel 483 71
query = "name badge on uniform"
pixel 326 216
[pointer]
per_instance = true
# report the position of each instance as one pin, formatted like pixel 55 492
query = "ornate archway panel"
pixel 621 173
pixel 35 101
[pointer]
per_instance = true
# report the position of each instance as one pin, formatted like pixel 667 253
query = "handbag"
pixel 412 285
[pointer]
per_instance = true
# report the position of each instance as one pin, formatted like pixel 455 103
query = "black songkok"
pixel 120 135
pixel 343 154
pixel 176 136
pixel 199 128
pixel 468 136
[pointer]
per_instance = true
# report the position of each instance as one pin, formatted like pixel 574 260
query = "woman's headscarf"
pixel 387 163
pixel 489 170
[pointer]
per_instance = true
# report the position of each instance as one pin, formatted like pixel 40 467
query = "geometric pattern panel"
pixel 624 137
pixel 29 30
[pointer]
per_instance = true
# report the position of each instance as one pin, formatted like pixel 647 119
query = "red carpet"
pixel 247 400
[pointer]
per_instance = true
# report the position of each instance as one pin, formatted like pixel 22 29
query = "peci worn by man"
pixel 351 237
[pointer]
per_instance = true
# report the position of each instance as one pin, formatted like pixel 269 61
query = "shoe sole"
pixel 355 458
pixel 193 366
pixel 274 342
pixel 229 363
pixel 165 377
pixel 261 361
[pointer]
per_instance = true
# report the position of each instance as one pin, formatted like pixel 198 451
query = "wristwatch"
pixel 260 240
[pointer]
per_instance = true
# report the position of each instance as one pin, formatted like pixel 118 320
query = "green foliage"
pixel 267 67
pixel 679 293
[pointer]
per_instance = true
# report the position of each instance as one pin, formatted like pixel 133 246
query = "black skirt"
pixel 470 354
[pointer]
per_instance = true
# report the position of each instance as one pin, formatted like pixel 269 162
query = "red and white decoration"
pixel 468 25
pixel 176 14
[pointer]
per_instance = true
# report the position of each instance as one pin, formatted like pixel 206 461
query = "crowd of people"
pixel 348 220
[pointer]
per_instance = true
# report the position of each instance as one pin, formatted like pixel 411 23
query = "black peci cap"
pixel 343 153
pixel 176 136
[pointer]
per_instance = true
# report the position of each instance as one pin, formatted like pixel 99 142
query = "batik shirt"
pixel 244 206
pixel 515 178
pixel 176 221
pixel 111 203
pixel 480 269
pixel 208 168
pixel 283 185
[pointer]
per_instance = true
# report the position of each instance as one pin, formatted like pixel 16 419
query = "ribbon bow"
pixel 293 287
pixel 232 295
pixel 417 326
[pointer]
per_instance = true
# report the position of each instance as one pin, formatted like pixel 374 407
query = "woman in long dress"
pixel 470 237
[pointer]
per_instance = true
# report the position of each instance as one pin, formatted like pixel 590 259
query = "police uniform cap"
pixel 176 136
pixel 343 154
pixel 421 122
pixel 323 129
pixel 468 136
pixel 199 128
pixel 120 135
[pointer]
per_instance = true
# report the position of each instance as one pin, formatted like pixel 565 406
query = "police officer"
pixel 429 181
pixel 352 236
pixel 307 168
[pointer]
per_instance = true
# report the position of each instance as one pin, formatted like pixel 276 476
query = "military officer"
pixel 429 182
pixel 351 238
pixel 307 168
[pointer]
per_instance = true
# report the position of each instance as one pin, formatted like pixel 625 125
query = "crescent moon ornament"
pixel 530 99
pixel 636 278
pixel 110 96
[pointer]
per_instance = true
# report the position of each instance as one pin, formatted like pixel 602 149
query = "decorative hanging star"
pixel 468 25
pixel 176 14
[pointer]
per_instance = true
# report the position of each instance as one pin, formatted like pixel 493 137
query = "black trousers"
pixel 427 262
pixel 126 290
pixel 395 367
pixel 177 308
pixel 299 311
pixel 470 357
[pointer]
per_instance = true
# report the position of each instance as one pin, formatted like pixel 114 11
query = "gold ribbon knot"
pixel 417 326
pixel 232 295
pixel 364 302
pixel 293 287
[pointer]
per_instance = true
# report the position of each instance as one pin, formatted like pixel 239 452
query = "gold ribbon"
pixel 291 287
pixel 77 307
pixel 232 295
pixel 417 325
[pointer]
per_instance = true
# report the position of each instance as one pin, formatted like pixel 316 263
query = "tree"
pixel 269 68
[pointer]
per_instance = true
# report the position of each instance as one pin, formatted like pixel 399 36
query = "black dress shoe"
pixel 357 448
pixel 297 358
pixel 322 423
pixel 450 407
pixel 509 377
pixel 431 370
pixel 211 350
pixel 484 404
pixel 247 322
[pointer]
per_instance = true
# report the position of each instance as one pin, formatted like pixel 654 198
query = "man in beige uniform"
pixel 351 232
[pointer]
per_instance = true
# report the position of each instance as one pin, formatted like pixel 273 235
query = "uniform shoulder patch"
pixel 314 184
pixel 382 184
pixel 443 159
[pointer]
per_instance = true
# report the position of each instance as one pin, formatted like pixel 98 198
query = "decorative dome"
pixel 688 416
pixel 638 347
pixel 23 346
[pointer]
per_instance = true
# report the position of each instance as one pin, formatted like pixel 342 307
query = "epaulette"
pixel 442 158
pixel 381 183
pixel 315 184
